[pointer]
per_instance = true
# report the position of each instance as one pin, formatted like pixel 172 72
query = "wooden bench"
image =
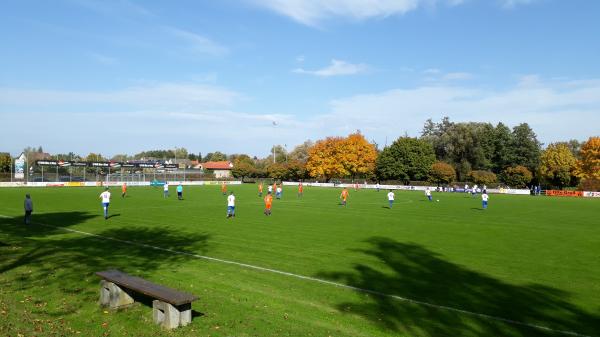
pixel 171 308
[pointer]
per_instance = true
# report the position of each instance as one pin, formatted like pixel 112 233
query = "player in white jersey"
pixel 166 189
pixel 231 205
pixel 278 192
pixel 428 194
pixel 484 200
pixel 391 196
pixel 105 196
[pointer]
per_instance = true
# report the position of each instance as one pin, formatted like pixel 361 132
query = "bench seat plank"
pixel 165 294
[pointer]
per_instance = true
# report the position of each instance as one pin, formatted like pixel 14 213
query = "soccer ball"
pixel 438 200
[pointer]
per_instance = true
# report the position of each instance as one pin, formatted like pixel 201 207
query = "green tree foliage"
pixel 192 156
pixel 442 173
pixel 502 152
pixel 180 153
pixel 296 170
pixel 526 149
pixel 481 146
pixel 482 177
pixel 120 158
pixel 516 176
pixel 558 165
pixel 214 156
pixel 5 162
pixel 280 154
pixel 94 157
pixel 300 152
pixel 155 155
pixel 406 159
pixel 277 171
pixel 243 167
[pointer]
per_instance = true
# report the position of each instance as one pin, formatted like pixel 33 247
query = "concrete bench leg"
pixel 113 296
pixel 185 314
pixel 165 314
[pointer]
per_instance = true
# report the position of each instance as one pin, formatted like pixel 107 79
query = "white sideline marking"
pixel 339 285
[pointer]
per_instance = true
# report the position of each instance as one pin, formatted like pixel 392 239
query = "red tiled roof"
pixel 217 165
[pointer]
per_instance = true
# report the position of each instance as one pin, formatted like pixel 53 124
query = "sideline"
pixel 313 279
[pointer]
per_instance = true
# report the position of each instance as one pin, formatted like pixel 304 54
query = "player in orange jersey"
pixel 123 190
pixel 260 189
pixel 224 188
pixel 300 190
pixel 268 203
pixel 344 196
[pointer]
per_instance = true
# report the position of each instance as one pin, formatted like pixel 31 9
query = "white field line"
pixel 335 284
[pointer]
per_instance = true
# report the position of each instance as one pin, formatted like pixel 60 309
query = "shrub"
pixel 482 177
pixel 517 176
pixel 442 173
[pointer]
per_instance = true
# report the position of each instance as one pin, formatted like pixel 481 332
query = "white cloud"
pixel 437 75
pixel 311 12
pixel 336 68
pixel 198 43
pixel 458 76
pixel 149 95
pixel 103 59
pixel 514 3
pixel 208 118
pixel 556 110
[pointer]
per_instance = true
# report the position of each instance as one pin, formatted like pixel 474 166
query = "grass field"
pixel 443 268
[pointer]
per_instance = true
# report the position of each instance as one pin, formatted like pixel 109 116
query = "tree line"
pixel 446 152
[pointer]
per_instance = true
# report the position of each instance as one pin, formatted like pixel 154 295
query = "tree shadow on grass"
pixel 69 262
pixel 413 272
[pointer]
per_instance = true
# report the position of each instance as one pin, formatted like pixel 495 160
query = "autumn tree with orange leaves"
pixel 588 167
pixel 337 157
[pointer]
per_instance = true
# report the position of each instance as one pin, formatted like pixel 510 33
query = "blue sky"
pixel 124 76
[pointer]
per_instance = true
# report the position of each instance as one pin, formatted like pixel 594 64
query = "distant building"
pixel 221 169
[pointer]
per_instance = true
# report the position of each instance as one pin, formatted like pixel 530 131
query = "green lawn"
pixel 533 260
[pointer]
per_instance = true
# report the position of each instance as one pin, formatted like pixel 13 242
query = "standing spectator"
pixel 28 205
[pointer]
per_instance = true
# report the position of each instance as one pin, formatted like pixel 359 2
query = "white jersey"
pixel 391 195
pixel 278 189
pixel 270 188
pixel 427 192
pixel 231 200
pixel 484 197
pixel 105 197
pixel 166 186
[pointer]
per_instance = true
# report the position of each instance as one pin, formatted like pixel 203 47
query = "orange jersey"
pixel 268 201
pixel 124 188
pixel 274 187
pixel 224 187
pixel 300 188
pixel 344 194
pixel 260 188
